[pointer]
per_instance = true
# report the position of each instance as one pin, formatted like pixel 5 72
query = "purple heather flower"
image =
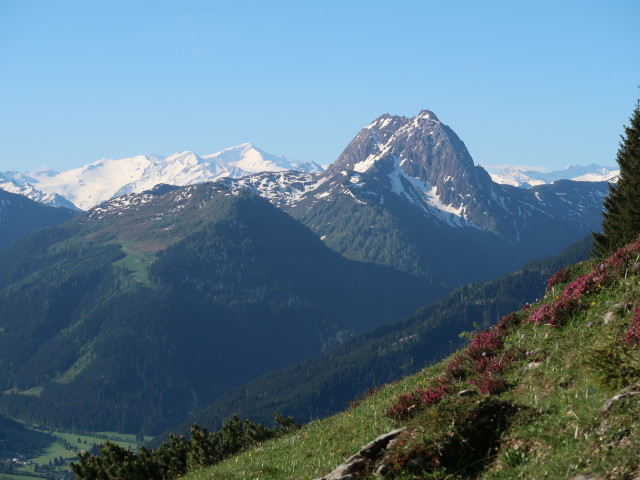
pixel 484 354
pixel 590 324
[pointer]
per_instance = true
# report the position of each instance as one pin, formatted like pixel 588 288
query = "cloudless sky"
pixel 540 83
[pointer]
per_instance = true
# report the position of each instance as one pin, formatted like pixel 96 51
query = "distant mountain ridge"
pixel 400 181
pixel 91 184
pixel 518 177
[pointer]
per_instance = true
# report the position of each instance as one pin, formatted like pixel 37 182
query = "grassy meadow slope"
pixel 552 391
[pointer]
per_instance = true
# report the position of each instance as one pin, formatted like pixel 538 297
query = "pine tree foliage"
pixel 621 223
pixel 179 455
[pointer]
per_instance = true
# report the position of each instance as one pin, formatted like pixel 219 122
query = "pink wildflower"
pixel 632 336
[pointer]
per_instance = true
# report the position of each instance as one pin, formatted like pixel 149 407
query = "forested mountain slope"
pixel 149 306
pixel 20 216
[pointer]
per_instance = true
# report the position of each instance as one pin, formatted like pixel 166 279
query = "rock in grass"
pixel 467 393
pixel 360 460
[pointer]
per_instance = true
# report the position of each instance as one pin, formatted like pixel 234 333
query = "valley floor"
pixel 27 452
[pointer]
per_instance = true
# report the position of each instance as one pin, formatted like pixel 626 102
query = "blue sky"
pixel 536 83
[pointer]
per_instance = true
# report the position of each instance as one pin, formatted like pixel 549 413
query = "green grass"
pixel 137 263
pixel 320 445
pixel 7 476
pixel 122 439
pixel 549 420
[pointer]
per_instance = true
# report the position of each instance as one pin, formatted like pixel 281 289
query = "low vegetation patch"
pixel 178 456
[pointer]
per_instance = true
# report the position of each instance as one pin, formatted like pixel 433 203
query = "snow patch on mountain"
pixel 425 196
pixel 118 205
pixel 280 188
pixel 131 202
pixel 370 161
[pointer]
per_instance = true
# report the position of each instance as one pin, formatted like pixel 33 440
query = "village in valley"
pixel 32 453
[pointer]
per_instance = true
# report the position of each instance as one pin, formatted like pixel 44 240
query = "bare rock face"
pixel 364 458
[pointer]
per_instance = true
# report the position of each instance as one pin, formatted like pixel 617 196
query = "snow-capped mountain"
pixel 15 185
pixel 579 173
pixel 96 182
pixel 247 159
pixel 419 159
pixel 406 193
pixel 423 162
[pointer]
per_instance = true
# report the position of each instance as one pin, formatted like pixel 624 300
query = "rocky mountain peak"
pixel 428 115
pixel 423 148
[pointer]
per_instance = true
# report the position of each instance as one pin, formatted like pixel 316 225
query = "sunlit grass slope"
pixel 552 391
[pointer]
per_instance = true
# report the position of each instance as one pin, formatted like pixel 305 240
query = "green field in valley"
pixel 28 452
